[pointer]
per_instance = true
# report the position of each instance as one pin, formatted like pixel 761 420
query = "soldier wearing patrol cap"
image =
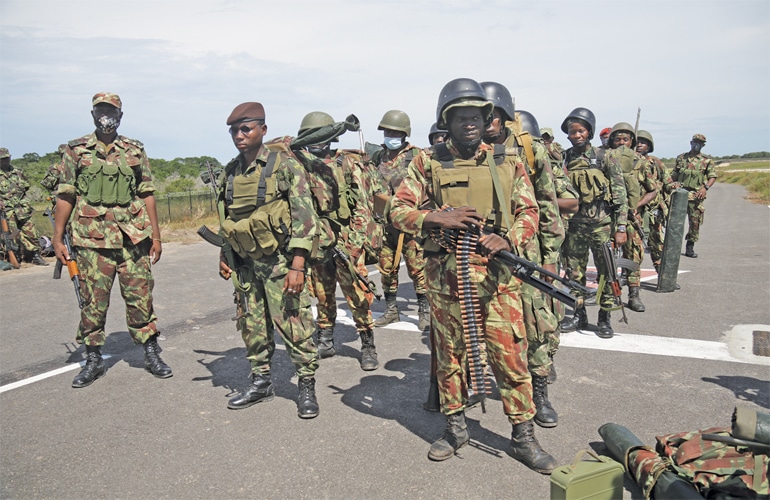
pixel 18 210
pixel 695 172
pixel 554 148
pixel 105 180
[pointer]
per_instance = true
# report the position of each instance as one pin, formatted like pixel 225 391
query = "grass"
pixel 744 173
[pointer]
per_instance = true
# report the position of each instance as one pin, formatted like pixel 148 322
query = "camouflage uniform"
pixel 18 210
pixel 633 249
pixel 269 307
pixel 692 172
pixel 499 292
pixel 657 209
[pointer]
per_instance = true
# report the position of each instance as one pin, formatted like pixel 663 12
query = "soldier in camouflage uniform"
pixel 641 189
pixel 603 203
pixel 18 210
pixel 272 230
pixel 543 248
pixel 553 147
pixel 464 111
pixel 604 136
pixel 696 173
pixel 106 185
pixel 392 161
pixel 352 219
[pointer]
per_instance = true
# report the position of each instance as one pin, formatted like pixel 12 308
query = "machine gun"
pixel 613 279
pixel 72 265
pixel 9 240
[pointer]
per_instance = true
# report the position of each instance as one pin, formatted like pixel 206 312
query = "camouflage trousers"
pixel 540 324
pixel 504 335
pixel 413 257
pixel 98 268
pixel 656 236
pixel 28 235
pixel 695 212
pixel 270 309
pixel 324 278
pixel 585 234
pixel 633 249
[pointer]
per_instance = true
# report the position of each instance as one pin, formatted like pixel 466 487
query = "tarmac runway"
pixel 682 365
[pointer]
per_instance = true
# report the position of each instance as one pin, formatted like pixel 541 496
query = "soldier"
pixel 351 217
pixel 543 248
pixel 106 179
pixel 604 136
pixel 553 147
pixel 392 161
pixel 641 189
pixel 465 112
pixel 18 210
pixel 695 172
pixel 271 224
pixel 435 135
pixel 602 192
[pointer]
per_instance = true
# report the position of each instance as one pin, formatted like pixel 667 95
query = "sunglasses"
pixel 244 129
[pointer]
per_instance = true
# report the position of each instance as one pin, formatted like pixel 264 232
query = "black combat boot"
pixel 423 313
pixel 261 389
pixel 326 342
pixel 690 250
pixel 391 314
pixel 433 403
pixel 579 321
pixel 368 351
pixel 604 326
pixel 152 361
pixel 307 404
pixel 38 259
pixel 93 369
pixel 455 437
pixel 526 449
pixel 634 302
pixel 546 416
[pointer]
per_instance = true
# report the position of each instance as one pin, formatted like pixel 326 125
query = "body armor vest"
pixel 588 178
pixel 107 184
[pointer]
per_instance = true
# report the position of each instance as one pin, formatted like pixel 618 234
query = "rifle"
pixel 613 279
pixel 9 238
pixel 230 256
pixel 72 265
pixel 633 219
pixel 366 284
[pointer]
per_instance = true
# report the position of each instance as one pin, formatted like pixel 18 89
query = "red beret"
pixel 605 131
pixel 246 111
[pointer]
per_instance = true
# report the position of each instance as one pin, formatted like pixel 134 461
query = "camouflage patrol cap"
pixel 107 97
pixel 247 111
pixel 546 131
pixel 699 138
pixel 4 153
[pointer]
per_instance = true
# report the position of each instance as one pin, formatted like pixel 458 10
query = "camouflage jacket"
pixel 610 168
pixel 693 171
pixel 416 190
pixel 13 193
pixel 393 171
pixel 664 184
pixel 355 233
pixel 648 183
pixel 97 226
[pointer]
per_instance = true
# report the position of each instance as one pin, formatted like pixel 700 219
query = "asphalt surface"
pixel 130 435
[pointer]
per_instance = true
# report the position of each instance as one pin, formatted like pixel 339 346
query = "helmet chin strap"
pixel 467 148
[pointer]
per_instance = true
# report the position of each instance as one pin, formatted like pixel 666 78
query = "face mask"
pixel 605 141
pixel 393 142
pixel 107 125
pixel 319 151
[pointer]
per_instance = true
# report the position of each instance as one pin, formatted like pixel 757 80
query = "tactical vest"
pixel 392 176
pixel 632 168
pixel 588 178
pixel 107 184
pixel 457 183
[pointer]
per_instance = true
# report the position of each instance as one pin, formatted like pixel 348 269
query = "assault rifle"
pixel 367 285
pixel 230 256
pixel 638 224
pixel 9 240
pixel 613 279
pixel 72 265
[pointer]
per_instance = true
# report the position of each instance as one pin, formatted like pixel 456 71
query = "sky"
pixel 180 67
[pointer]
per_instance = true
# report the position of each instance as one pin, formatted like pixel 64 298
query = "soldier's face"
pixel 466 124
pixel 547 139
pixel 621 140
pixel 495 127
pixel 5 164
pixel 643 147
pixel 577 134
pixel 696 146
pixel 247 136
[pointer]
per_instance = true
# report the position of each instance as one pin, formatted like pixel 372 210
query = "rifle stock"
pixel 365 284
pixel 524 269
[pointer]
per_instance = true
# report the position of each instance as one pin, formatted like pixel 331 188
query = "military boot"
pixel 391 314
pixel 423 313
pixel 307 405
pixel 433 403
pixel 579 321
pixel 368 352
pixel 152 361
pixel 455 437
pixel 526 449
pixel 38 259
pixel 604 326
pixel 634 302
pixel 546 416
pixel 93 369
pixel 261 389
pixel 690 250
pixel 326 342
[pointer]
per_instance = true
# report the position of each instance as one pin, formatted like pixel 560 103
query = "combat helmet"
pixel 433 131
pixel 624 127
pixel 584 115
pixel 528 122
pixel 498 95
pixel 316 119
pixel 643 134
pixel 396 120
pixel 462 92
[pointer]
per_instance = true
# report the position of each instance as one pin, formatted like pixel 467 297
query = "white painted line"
pixel 43 376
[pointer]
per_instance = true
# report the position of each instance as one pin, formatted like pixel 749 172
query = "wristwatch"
pixel 706 186
pixel 621 229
